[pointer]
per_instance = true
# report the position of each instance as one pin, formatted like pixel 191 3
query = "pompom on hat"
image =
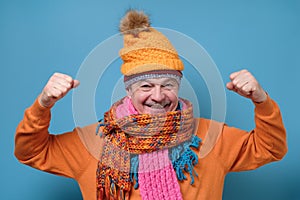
pixel 147 53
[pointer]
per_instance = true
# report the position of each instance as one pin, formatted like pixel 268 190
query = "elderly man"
pixel 149 145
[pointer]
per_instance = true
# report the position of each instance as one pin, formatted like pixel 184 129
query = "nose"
pixel 157 94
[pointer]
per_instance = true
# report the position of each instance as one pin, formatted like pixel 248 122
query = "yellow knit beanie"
pixel 147 53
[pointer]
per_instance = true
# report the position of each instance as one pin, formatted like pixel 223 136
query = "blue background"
pixel 38 38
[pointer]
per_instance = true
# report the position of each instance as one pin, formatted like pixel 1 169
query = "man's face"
pixel 153 96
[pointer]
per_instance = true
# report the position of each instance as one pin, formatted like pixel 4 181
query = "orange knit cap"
pixel 146 50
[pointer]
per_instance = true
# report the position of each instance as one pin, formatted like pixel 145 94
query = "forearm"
pixel 270 129
pixel 32 132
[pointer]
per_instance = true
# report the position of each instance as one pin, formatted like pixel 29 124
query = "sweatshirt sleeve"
pixel 62 154
pixel 240 150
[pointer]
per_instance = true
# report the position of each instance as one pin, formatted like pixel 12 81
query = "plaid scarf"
pixel 131 140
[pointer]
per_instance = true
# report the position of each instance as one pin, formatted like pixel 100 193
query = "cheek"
pixel 172 96
pixel 138 98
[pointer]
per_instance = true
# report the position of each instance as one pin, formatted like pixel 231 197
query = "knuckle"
pixel 238 85
pixel 245 88
pixel 59 94
pixel 69 85
pixel 64 90
pixel 69 79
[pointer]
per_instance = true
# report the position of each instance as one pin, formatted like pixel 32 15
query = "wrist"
pixel 43 103
pixel 262 98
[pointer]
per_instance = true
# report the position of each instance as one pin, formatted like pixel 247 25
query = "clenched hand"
pixel 56 88
pixel 245 84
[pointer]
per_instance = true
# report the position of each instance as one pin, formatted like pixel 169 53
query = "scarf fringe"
pixel 134 167
pixel 100 124
pixel 187 160
pixel 110 184
pixel 111 191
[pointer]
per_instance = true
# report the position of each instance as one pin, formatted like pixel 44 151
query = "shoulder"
pixel 90 137
pixel 209 131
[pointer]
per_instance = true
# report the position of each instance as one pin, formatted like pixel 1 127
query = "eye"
pixel 168 85
pixel 145 86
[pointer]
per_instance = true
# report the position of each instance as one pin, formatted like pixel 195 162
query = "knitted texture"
pixel 176 75
pixel 145 49
pixel 137 134
pixel 140 58
pixel 157 178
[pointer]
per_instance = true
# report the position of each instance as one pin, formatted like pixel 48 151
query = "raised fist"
pixel 56 88
pixel 245 84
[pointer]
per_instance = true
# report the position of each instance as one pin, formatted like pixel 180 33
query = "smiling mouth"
pixel 158 106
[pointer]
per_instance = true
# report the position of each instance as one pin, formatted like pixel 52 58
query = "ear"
pixel 129 92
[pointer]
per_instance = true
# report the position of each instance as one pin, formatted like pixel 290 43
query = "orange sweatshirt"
pixel 224 149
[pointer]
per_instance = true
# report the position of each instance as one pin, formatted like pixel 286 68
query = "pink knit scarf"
pixel 157 178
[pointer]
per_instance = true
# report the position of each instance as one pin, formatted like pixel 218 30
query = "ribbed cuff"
pixel 264 108
pixel 37 110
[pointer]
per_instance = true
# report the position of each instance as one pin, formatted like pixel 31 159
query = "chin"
pixel 157 111
pixel 150 110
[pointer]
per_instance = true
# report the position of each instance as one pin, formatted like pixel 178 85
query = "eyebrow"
pixel 163 82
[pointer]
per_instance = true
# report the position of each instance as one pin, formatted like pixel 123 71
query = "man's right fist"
pixel 56 88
